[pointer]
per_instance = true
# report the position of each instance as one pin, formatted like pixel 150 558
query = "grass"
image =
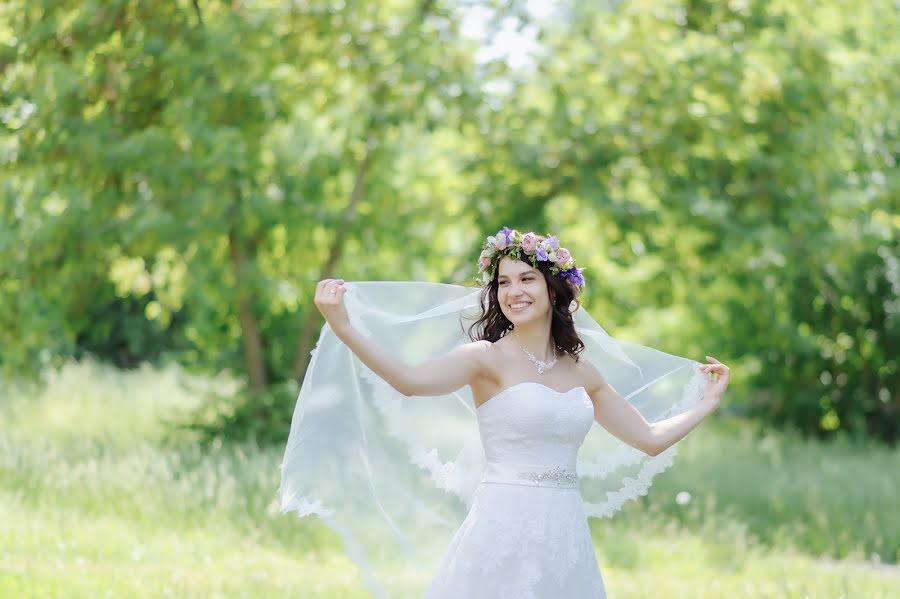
pixel 98 499
pixel 834 500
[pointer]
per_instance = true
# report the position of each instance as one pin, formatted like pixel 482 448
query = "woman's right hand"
pixel 330 302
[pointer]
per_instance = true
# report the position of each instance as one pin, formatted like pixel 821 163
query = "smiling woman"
pixel 535 418
pixel 523 295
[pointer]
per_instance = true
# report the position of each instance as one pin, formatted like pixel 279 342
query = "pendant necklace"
pixel 539 364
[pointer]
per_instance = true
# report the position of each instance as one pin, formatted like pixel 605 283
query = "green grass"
pixel 97 499
pixel 834 500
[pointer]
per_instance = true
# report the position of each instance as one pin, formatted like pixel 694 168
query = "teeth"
pixel 519 305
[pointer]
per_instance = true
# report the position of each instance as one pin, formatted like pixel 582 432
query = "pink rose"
pixel 562 256
pixel 529 243
pixel 485 261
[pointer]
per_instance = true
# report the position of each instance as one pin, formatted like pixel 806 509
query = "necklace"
pixel 539 364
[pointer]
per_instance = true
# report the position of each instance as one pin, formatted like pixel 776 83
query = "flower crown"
pixel 512 243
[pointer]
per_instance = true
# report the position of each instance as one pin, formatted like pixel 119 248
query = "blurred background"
pixel 175 177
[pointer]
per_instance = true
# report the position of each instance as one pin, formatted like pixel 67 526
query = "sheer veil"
pixel 394 476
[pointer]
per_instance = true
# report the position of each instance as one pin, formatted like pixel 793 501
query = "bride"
pixel 490 485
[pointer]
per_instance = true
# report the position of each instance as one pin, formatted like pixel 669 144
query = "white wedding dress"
pixel 431 496
pixel 526 535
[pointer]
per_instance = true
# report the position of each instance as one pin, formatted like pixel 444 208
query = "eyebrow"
pixel 520 274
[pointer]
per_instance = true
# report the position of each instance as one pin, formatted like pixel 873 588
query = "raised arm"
pixel 614 413
pixel 437 376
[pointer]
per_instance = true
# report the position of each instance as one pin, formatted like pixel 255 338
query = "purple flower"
pixel 578 277
pixel 504 238
pixel 552 243
pixel 541 253
pixel 573 275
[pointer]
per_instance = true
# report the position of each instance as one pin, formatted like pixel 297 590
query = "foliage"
pixel 725 171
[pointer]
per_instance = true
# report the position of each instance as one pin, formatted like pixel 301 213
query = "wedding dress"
pixel 526 535
pixel 431 496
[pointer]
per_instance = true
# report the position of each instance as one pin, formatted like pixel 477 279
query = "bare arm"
pixel 614 413
pixel 437 376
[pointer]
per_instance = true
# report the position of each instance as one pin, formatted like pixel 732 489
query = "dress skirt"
pixel 521 542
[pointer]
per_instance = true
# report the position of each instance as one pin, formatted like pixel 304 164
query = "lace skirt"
pixel 521 542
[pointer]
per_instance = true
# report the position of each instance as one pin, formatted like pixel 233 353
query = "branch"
pixel 425 8
pixel 301 358
pixel 196 4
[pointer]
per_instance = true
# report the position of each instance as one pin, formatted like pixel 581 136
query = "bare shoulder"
pixel 482 345
pixel 590 376
pixel 492 355
pixel 478 351
pixel 495 354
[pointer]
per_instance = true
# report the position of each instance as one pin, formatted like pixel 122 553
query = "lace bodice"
pixel 531 434
pixel 519 542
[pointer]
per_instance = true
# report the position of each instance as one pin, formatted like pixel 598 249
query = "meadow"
pixel 100 496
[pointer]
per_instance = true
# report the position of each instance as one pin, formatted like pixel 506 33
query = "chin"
pixel 519 318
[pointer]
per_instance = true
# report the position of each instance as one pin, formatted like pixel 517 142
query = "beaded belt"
pixel 554 476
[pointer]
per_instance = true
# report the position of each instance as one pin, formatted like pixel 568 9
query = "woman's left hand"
pixel 720 379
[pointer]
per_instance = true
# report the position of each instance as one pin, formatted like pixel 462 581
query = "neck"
pixel 535 337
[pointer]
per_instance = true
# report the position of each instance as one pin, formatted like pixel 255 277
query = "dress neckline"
pixel 503 391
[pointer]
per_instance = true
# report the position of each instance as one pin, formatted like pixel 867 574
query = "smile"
pixel 519 306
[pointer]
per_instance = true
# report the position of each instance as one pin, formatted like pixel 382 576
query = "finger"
pixel 325 283
pixel 320 289
pixel 713 360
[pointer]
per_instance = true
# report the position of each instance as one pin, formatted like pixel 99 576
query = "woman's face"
pixel 522 291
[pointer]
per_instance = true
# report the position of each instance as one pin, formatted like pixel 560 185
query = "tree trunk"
pixel 301 358
pixel 251 337
pixel 304 346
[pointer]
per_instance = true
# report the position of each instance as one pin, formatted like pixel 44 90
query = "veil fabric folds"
pixel 394 476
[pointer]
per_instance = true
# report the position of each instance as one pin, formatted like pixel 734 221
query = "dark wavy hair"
pixel 491 325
